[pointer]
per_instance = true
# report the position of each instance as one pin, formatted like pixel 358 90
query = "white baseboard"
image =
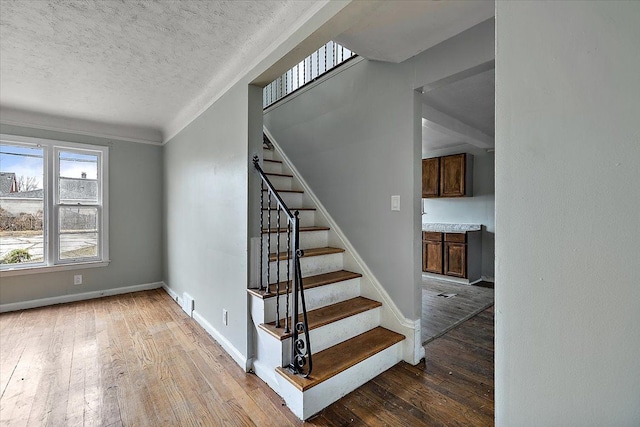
pixel 235 354
pixel 43 302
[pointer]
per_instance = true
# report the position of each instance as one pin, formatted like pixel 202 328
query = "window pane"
pixel 21 204
pixel 78 182
pixel 78 232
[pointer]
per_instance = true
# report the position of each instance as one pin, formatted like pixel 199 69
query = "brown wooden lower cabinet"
pixel 452 254
pixel 455 259
pixel 432 256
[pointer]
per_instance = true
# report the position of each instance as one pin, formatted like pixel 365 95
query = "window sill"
pixel 51 269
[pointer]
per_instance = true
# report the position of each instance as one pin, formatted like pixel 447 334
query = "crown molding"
pixel 48 122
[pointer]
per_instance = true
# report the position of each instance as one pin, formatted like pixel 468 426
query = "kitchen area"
pixel 458 202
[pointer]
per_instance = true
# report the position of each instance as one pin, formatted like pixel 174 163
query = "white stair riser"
pixel 307 218
pixel 317 297
pixel 280 182
pixel 312 401
pixel 269 350
pixel 310 266
pixel 336 332
pixel 289 199
pixel 308 240
pixel 272 167
pixel 269 154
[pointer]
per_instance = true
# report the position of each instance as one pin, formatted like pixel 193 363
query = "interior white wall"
pixel 135 221
pixel 479 209
pixel 356 139
pixel 206 171
pixel 567 203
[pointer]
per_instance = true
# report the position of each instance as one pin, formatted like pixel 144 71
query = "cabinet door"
pixel 430 177
pixel 455 259
pixel 452 175
pixel 432 256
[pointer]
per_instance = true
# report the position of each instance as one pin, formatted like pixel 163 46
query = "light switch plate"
pixel 395 203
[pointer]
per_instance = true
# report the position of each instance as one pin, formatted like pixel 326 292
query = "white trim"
pixel 95 134
pixel 17 271
pixel 235 354
pixel 43 302
pixel 224 342
pixel 414 350
pixel 452 279
pixel 51 174
pixel 192 112
pixel 174 296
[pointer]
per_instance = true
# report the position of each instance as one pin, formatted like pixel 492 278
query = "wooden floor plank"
pixel 138 359
pixel 440 315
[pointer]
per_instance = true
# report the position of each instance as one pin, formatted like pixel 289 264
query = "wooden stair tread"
pixel 334 360
pixel 292 209
pixel 278 174
pixel 307 253
pixel 286 191
pixel 272 161
pixel 324 315
pixel 308 282
pixel 284 229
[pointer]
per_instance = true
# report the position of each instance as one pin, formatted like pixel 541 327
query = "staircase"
pixel 348 345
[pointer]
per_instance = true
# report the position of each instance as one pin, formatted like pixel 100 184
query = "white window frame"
pixel 51 173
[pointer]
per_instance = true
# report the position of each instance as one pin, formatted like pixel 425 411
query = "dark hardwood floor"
pixel 138 360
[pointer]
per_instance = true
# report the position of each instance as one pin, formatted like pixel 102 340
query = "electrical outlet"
pixel 77 279
pixel 225 317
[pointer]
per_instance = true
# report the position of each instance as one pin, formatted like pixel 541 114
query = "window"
pixel 53 204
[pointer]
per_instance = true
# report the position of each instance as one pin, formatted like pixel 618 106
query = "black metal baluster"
pixel 288 287
pixel 300 347
pixel 261 234
pixel 278 269
pixel 269 242
pixel 325 58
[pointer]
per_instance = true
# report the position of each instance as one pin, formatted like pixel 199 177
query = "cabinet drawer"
pixel 432 236
pixel 455 237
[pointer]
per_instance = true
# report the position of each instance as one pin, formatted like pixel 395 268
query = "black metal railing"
pixel 313 66
pixel 301 361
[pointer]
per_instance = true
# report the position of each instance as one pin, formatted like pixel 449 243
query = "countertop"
pixel 450 228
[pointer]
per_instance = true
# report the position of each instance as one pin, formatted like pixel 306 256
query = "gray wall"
pixel 135 222
pixel 206 187
pixel 567 203
pixel 479 209
pixel 356 140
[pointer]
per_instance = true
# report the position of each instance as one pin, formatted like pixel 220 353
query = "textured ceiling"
pixel 133 63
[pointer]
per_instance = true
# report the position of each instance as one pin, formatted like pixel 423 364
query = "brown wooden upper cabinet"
pixel 431 177
pixel 448 176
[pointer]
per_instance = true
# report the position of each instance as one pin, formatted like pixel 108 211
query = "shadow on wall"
pixel 488 254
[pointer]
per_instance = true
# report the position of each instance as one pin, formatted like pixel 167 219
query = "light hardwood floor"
pixel 138 360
